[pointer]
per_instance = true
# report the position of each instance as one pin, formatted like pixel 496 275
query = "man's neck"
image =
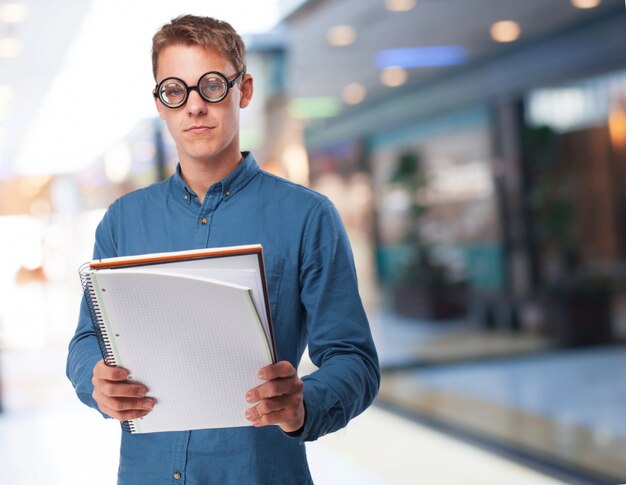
pixel 200 176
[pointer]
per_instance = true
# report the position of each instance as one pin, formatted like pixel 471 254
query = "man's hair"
pixel 206 32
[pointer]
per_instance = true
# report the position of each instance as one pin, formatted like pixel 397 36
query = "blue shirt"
pixel 314 301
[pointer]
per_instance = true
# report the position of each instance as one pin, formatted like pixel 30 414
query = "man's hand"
pixel 116 396
pixel 279 400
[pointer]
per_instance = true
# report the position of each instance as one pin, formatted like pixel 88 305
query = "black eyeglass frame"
pixel 229 85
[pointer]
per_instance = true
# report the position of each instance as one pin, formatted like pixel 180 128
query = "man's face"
pixel 204 132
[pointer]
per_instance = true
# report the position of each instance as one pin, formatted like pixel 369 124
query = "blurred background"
pixel 477 154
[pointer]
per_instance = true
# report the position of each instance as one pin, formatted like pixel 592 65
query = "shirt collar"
pixel 243 173
pixel 232 183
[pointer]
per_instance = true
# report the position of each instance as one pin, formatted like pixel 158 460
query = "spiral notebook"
pixel 193 326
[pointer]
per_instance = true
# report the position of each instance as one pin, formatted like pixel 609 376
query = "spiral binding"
pixel 89 293
pixel 97 319
pixel 129 426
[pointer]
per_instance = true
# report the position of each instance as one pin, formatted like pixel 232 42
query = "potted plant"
pixel 422 286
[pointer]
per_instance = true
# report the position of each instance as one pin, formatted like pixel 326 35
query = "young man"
pixel 220 197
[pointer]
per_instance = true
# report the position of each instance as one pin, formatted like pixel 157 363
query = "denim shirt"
pixel 314 301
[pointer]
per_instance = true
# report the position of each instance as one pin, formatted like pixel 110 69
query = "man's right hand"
pixel 116 396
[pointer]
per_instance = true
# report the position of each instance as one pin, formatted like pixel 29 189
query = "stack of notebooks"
pixel 193 326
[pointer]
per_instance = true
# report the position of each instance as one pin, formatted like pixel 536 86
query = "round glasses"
pixel 212 86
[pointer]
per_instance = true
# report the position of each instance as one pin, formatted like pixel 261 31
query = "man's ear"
pixel 247 89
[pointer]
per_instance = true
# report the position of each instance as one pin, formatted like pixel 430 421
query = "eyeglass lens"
pixel 212 87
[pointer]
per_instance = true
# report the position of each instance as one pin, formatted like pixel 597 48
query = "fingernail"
pixel 249 397
pixel 141 392
pixel 261 375
pixel 148 404
pixel 250 415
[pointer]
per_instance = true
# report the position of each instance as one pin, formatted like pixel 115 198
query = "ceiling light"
pixel 13 13
pixel 585 3
pixel 428 56
pixel 10 47
pixel 393 76
pixel 341 35
pixel 505 31
pixel 353 93
pixel 399 5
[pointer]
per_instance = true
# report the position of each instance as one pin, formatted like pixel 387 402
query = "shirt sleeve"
pixel 339 337
pixel 84 351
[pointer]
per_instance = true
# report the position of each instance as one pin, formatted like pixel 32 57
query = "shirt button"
pixel 186 197
pixel 177 475
pixel 227 193
pixel 203 220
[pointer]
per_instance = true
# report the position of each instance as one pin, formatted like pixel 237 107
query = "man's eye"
pixel 174 92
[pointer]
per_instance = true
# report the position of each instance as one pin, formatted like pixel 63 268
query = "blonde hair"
pixel 206 32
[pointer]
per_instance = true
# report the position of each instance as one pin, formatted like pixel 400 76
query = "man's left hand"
pixel 279 400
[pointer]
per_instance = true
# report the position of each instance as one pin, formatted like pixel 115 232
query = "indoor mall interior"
pixel 476 152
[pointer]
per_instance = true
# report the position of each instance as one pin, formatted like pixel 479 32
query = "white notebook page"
pixel 196 343
pixel 241 269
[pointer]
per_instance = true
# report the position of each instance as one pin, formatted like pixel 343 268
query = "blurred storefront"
pixel 574 149
pixel 439 236
pixel 493 199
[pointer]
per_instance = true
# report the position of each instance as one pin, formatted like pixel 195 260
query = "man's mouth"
pixel 198 128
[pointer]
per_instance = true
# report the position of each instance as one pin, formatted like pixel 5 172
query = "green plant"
pixel 417 264
pixel 551 200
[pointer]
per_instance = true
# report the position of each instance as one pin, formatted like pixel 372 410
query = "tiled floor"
pixel 48 437
pixel 404 342
pixel 565 406
pixel 584 387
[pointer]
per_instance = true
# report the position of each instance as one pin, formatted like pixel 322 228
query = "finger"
pixel 103 371
pixel 270 418
pixel 291 403
pixel 267 406
pixel 278 370
pixel 117 389
pixel 124 415
pixel 287 418
pixel 273 388
pixel 121 404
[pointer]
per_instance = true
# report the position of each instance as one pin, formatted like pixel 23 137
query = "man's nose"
pixel 195 104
